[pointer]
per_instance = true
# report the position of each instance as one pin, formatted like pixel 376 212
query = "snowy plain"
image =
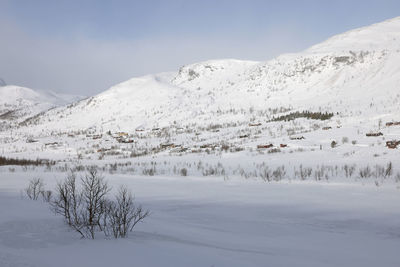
pixel 200 221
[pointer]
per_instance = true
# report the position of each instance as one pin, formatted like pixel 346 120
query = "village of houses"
pixel 244 150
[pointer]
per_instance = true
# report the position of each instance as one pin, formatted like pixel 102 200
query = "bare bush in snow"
pixel 397 177
pixel 365 172
pixel 304 173
pixel 46 195
pixel 379 171
pixel 319 173
pixel 266 174
pixel 67 202
pixel 122 215
pixel 349 170
pixel 35 188
pixel 94 191
pixel 279 173
pixel 183 172
pixel 88 210
pixel 388 170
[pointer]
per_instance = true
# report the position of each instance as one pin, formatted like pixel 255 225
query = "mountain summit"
pixel 380 36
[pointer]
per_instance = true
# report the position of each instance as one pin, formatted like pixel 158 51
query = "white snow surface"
pixel 209 222
pixel 379 36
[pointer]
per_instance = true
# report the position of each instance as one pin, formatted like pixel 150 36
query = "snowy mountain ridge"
pixel 348 74
pixel 379 36
pixel 337 104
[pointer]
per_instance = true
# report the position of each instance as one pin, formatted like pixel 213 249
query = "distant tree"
pixel 333 144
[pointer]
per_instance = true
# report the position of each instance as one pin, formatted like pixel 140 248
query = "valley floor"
pixel 203 221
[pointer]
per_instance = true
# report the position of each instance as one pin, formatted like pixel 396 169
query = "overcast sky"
pixel 84 47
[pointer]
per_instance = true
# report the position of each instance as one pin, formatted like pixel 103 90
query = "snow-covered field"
pixel 198 221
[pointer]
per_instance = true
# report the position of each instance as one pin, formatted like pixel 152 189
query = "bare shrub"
pixel 388 170
pixel 67 202
pixel 333 144
pixel 94 191
pixel 184 172
pixel 274 150
pixel 379 171
pixel 88 210
pixel 319 173
pixel 46 195
pixel 397 177
pixel 149 171
pixel 35 188
pixel 211 170
pixel 266 174
pixel 122 215
pixel 279 173
pixel 82 209
pixel 349 170
pixel 365 172
pixel 304 172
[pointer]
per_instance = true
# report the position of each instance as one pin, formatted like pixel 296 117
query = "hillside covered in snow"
pixel 354 74
pixel 337 100
pixel 19 103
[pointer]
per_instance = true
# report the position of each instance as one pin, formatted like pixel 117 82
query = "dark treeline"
pixel 24 162
pixel 304 114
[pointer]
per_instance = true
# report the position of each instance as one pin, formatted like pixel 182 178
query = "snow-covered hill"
pixel 19 103
pixel 233 106
pixel 354 74
pixel 230 117
pixel 379 36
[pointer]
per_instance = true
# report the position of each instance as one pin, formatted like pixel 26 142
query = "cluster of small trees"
pixel 321 172
pixel 24 162
pixel 87 208
pixel 304 114
pixel 276 175
pixel 377 172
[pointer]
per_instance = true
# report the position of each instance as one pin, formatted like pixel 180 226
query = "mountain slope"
pixel 379 36
pixel 19 103
pixel 355 74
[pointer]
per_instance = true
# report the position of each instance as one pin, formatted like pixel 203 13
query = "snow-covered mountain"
pixel 19 103
pixel 355 74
